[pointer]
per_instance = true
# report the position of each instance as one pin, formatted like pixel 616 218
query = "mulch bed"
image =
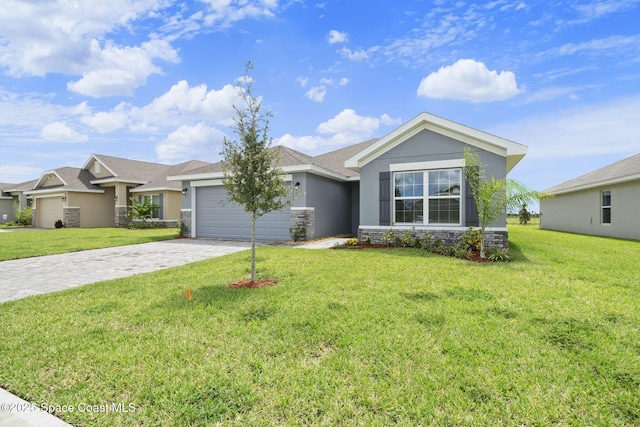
pixel 474 257
pixel 248 284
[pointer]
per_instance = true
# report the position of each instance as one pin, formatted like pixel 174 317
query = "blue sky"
pixel 155 80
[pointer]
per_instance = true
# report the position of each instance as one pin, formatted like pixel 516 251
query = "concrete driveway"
pixel 39 275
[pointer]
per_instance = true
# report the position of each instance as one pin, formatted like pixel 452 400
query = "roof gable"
pixel 512 151
pixel 622 171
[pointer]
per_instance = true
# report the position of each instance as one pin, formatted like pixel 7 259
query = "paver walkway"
pixel 31 276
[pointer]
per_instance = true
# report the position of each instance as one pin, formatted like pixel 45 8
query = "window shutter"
pixel 470 208
pixel 385 198
pixel 160 205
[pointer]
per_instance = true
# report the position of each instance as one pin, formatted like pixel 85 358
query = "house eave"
pixel 306 168
pixel 151 189
pixel 94 158
pixel 62 190
pixel 117 181
pixel 44 174
pixel 605 183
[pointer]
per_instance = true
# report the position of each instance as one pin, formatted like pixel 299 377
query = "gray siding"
pixel 230 221
pixel 6 208
pixel 579 212
pixel 426 146
pixel 332 202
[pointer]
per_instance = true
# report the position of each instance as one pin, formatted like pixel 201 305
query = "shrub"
pixel 408 238
pixel 367 240
pixel 58 224
pixel 351 242
pixel 426 242
pixel 391 238
pixel 498 254
pixel 470 240
pixel 23 217
pixel 298 233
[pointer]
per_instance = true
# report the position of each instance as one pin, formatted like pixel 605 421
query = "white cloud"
pixel 344 81
pixel 358 55
pixel 61 132
pixel 190 142
pixel 347 127
pixel 56 36
pixel 184 102
pixel 337 37
pixel 604 45
pixel 223 13
pixel 592 130
pixel 105 122
pixel 302 81
pixel 469 80
pixel 316 93
pixel 119 70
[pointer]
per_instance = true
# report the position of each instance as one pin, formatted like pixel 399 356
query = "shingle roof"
pixel 626 169
pixel 132 170
pixel 75 179
pixel 160 181
pixel 334 160
pixel 23 186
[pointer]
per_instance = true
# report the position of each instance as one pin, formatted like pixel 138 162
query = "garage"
pixel 48 211
pixel 230 221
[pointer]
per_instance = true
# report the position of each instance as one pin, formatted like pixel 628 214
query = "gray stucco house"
pixel 412 177
pixel 605 202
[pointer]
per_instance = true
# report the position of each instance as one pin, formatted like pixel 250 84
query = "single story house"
pixel 98 194
pixel 6 203
pixel 604 202
pixel 411 178
pixel 11 194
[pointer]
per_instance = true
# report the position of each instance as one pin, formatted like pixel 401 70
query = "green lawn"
pixel 29 243
pixel 359 337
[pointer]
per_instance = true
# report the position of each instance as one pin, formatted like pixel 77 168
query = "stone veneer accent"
pixel 121 218
pixel 185 218
pixel 304 217
pixel 449 236
pixel 71 217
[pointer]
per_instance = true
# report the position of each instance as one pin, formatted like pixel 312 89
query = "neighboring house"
pixel 14 194
pixel 604 202
pixel 6 203
pixel 98 194
pixel 412 177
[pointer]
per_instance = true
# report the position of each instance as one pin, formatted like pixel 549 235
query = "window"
pixel 606 206
pixel 155 199
pixel 441 202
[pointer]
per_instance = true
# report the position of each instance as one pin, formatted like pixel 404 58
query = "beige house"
pixel 99 194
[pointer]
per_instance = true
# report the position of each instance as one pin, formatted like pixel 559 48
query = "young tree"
pixel 251 177
pixel 493 196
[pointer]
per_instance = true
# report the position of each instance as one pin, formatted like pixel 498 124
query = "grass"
pixel 369 337
pixel 30 243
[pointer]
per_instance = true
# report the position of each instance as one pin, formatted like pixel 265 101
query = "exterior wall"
pixel 6 209
pixel 426 146
pixel 494 238
pixel 171 203
pixel 96 209
pixel 579 212
pixel 332 202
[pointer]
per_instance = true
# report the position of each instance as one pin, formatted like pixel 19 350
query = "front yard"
pixel 30 243
pixel 361 337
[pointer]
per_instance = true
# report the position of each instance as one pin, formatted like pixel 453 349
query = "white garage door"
pixel 230 221
pixel 48 211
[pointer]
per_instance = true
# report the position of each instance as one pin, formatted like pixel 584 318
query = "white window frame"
pixel 426 199
pixel 151 196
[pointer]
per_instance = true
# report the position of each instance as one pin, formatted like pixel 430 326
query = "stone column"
pixel 304 218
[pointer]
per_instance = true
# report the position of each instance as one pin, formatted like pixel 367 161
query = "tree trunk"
pixel 482 255
pixel 253 248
